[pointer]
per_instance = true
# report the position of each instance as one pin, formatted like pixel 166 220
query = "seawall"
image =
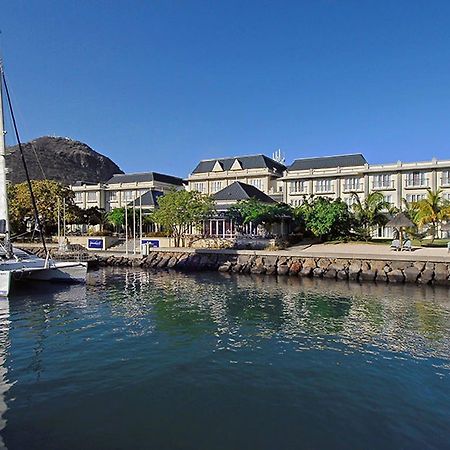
pixel 401 268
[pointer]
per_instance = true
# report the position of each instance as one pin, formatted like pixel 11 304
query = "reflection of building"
pixel 212 175
pixel 123 189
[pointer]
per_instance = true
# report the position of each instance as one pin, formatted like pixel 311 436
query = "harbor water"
pixel 157 360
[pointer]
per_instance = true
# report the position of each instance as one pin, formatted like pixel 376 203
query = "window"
pixel 257 182
pixel 382 180
pixel 350 201
pixel 352 184
pixel 324 186
pixel 446 178
pixel 78 197
pixel 296 202
pixel 92 196
pixel 200 187
pixel 416 179
pixel 127 196
pixel 410 198
pixel 216 186
pixel 297 186
pixel 388 199
pixel 112 196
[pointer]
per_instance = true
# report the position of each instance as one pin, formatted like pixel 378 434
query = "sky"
pixel 159 85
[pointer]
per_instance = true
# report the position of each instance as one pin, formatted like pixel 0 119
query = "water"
pixel 147 360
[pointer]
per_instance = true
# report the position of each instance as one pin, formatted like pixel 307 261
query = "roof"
pixel 147 199
pixel 145 177
pixel 247 162
pixel 400 220
pixel 326 162
pixel 241 191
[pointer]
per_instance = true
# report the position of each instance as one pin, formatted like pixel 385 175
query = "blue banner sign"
pixel 153 242
pixel 96 244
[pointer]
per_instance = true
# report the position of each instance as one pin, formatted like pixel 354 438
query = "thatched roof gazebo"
pixel 400 221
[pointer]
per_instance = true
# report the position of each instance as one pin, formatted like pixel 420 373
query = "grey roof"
pixel 145 177
pixel 147 199
pixel 325 162
pixel 247 162
pixel 241 191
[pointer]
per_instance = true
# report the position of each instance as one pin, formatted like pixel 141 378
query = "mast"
pixel 4 215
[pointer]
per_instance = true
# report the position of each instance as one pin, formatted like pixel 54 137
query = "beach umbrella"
pixel 400 221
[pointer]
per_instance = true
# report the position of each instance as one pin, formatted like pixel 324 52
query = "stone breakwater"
pixel 360 270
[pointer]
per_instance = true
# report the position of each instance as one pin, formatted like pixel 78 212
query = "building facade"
pixel 264 173
pixel 340 176
pixel 123 189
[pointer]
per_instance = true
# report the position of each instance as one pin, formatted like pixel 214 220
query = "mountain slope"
pixel 60 159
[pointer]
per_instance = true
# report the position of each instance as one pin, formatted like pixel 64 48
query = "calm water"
pixel 146 360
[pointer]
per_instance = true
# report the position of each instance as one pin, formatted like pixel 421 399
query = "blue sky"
pixel 158 85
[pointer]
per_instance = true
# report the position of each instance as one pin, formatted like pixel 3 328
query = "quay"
pixel 343 261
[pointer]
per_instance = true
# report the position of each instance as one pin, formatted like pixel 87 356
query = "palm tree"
pixel 369 213
pixel 431 211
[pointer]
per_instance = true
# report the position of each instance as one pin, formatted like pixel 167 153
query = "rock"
pixel 342 275
pixel 396 276
pixel 354 270
pixel 330 273
pixel 323 263
pixel 295 268
pixel 258 269
pixel 271 270
pixel 368 275
pixel 172 262
pixel 440 274
pixel 411 274
pixel 225 267
pixel 283 270
pixel 426 276
pixel 236 268
pixel 317 272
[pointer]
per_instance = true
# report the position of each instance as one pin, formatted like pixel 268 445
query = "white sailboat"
pixel 15 264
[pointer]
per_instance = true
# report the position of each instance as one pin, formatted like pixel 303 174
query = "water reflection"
pixel 4 344
pixel 399 318
pixel 174 359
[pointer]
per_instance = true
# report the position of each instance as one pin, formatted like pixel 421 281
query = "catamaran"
pixel 16 264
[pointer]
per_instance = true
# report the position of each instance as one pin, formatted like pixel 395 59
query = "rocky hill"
pixel 60 159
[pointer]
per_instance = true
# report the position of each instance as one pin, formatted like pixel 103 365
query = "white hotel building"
pixel 339 176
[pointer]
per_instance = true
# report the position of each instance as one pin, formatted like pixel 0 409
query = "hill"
pixel 60 159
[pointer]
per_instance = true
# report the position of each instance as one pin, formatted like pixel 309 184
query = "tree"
pixel 369 213
pixel 48 194
pixel 179 210
pixel 431 211
pixel 259 213
pixel 116 217
pixel 325 218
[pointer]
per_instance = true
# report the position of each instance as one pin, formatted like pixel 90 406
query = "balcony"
pixel 411 183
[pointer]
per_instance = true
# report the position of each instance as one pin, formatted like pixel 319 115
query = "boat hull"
pixel 35 269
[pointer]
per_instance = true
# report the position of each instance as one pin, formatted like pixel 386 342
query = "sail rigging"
pixel 38 224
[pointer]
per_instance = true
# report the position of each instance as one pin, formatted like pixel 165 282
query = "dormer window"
pixel 236 165
pixel 217 167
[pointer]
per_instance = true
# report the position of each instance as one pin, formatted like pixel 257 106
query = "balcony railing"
pixel 417 183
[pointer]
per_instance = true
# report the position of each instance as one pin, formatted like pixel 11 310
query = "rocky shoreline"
pixel 359 270
pixel 419 272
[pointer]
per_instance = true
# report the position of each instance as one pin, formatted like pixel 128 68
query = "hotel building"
pixel 339 176
pixel 123 189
